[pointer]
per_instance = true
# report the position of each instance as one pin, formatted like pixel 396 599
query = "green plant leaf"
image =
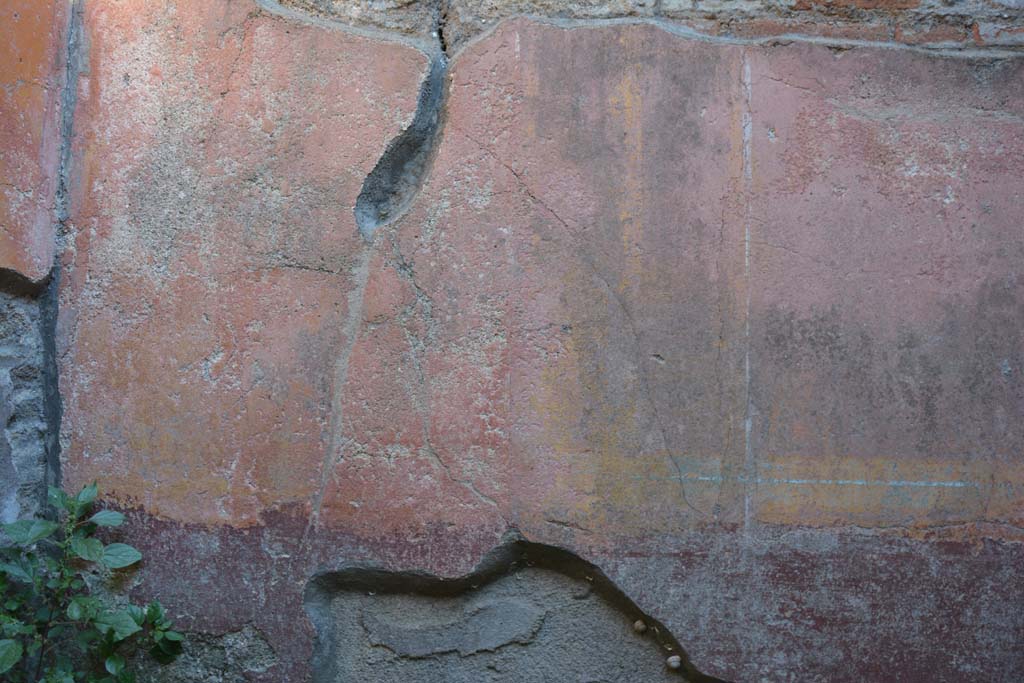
pixel 87 637
pixel 118 555
pixel 118 623
pixel 57 498
pixel 137 613
pixel 114 664
pixel 107 518
pixel 29 531
pixel 87 494
pixel 82 607
pixel 10 654
pixel 155 612
pixel 15 572
pixel 88 548
pixel 38 587
pixel 172 647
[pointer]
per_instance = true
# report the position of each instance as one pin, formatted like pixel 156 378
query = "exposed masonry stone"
pixel 228 658
pixel 939 23
pixel 22 407
pixel 529 613
pixel 394 15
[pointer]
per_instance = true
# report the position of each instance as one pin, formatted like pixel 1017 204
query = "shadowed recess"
pixel 390 187
pixel 528 613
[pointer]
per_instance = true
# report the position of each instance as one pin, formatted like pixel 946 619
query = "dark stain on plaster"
pixel 929 387
pixel 528 612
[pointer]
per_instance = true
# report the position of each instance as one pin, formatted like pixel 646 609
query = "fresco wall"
pixel 724 300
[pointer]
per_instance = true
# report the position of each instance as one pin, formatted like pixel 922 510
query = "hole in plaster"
pixel 391 186
pixel 528 613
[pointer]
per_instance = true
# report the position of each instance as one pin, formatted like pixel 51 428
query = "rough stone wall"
pixel 724 299
pixel 23 442
pixel 936 23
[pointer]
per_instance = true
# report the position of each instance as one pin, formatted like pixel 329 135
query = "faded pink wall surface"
pixel 739 321
pixel 32 52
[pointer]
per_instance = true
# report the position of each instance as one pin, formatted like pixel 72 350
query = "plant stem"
pixel 57 597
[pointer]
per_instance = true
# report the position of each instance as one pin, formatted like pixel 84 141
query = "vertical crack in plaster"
pixel 338 441
pixel 750 464
pixel 49 302
pixel 722 392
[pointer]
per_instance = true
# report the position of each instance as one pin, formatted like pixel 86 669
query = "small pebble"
pixel 674 662
pixel 639 626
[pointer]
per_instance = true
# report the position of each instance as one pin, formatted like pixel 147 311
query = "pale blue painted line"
pixel 897 483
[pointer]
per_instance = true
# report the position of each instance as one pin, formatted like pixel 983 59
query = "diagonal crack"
pixel 613 294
